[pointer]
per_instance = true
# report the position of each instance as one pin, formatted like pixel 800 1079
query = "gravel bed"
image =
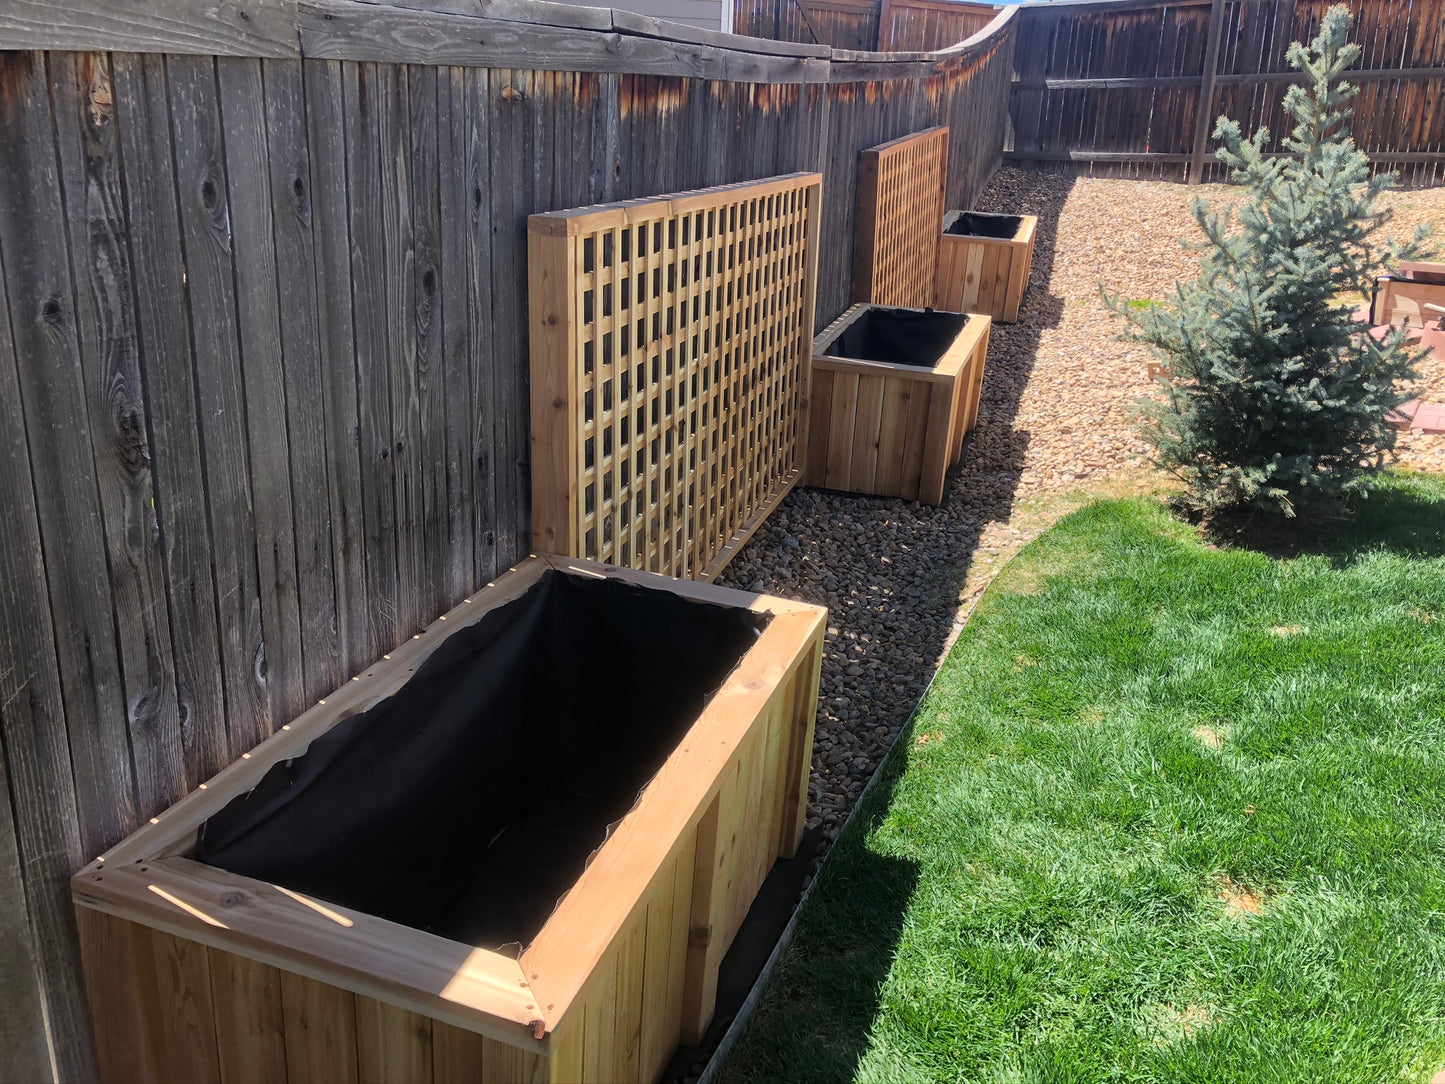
pixel 1056 418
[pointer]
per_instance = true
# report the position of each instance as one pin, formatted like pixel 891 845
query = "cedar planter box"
pixel 984 262
pixel 1413 298
pixel 344 914
pixel 894 392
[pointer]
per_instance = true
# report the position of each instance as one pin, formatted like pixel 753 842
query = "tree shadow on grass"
pixel 1405 516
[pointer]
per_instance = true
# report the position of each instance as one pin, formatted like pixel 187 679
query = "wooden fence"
pixel 884 25
pixel 263 355
pixel 1133 88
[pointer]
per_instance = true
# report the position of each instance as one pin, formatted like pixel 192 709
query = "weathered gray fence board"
pixel 512 144
pixel 344 30
pixel 210 292
pixel 164 345
pixel 396 259
pixel 327 186
pixel 480 328
pixel 64 556
pixel 296 286
pixel 35 750
pixel 370 321
pixel 24 1052
pixel 455 201
pixel 243 111
pixel 427 272
pixel 215 27
pixel 114 399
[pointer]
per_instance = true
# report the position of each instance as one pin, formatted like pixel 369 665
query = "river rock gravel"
pixel 1056 418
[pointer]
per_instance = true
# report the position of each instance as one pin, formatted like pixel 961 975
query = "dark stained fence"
pixel 263 356
pixel 884 25
pixel 924 25
pixel 1128 88
pixel 842 24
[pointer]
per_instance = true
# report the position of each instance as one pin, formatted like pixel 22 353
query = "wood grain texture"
pixel 901 189
pixel 347 30
pixel 984 275
pixel 268 453
pixel 889 429
pixel 669 339
pixel 55 757
pixel 224 27
pixel 210 286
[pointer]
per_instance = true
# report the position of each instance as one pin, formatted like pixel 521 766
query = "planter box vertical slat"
pixel 892 429
pixel 642 456
pixel 900 203
pixel 984 274
pixel 194 972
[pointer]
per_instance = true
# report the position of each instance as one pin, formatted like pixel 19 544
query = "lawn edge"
pixel 755 992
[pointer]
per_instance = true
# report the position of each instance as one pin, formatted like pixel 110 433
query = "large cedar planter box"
pixel 984 262
pixel 894 392
pixel 344 915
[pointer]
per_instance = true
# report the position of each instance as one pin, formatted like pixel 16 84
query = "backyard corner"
pixel 1056 432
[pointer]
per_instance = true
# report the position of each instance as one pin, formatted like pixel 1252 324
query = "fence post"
pixel 1206 92
pixel 884 41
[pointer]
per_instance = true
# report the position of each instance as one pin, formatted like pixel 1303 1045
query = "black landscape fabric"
pixel 467 803
pixel 979 224
pixel 902 336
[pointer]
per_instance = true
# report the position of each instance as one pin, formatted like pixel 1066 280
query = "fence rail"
pixel 1133 88
pixel 882 25
pixel 264 354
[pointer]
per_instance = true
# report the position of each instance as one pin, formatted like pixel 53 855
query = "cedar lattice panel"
pixel 670 345
pixel 900 209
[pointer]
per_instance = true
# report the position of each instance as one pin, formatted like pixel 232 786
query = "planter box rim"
pixel 952 361
pixel 1028 225
pixel 147 878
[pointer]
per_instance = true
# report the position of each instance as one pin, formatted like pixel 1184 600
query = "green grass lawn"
pixel 1170 813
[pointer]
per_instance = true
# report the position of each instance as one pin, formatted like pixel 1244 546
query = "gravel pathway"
pixel 1054 427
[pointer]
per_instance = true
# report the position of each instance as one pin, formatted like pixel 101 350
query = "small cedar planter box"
pixel 338 915
pixel 894 392
pixel 1413 298
pixel 984 262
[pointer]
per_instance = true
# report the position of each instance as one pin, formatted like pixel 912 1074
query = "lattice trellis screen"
pixel 900 213
pixel 670 341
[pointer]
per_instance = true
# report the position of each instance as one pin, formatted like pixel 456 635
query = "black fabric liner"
pixel 902 336
pixel 469 801
pixel 979 224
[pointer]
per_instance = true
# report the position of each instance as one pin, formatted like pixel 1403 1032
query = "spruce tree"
pixel 1274 397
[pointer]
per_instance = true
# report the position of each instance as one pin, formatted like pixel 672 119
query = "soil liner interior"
pixel 468 802
pixel 979 224
pixel 902 336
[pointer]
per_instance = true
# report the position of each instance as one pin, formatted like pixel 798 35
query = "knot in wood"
pixel 232 899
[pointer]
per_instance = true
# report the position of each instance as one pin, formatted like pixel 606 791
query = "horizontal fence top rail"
pixel 527 34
